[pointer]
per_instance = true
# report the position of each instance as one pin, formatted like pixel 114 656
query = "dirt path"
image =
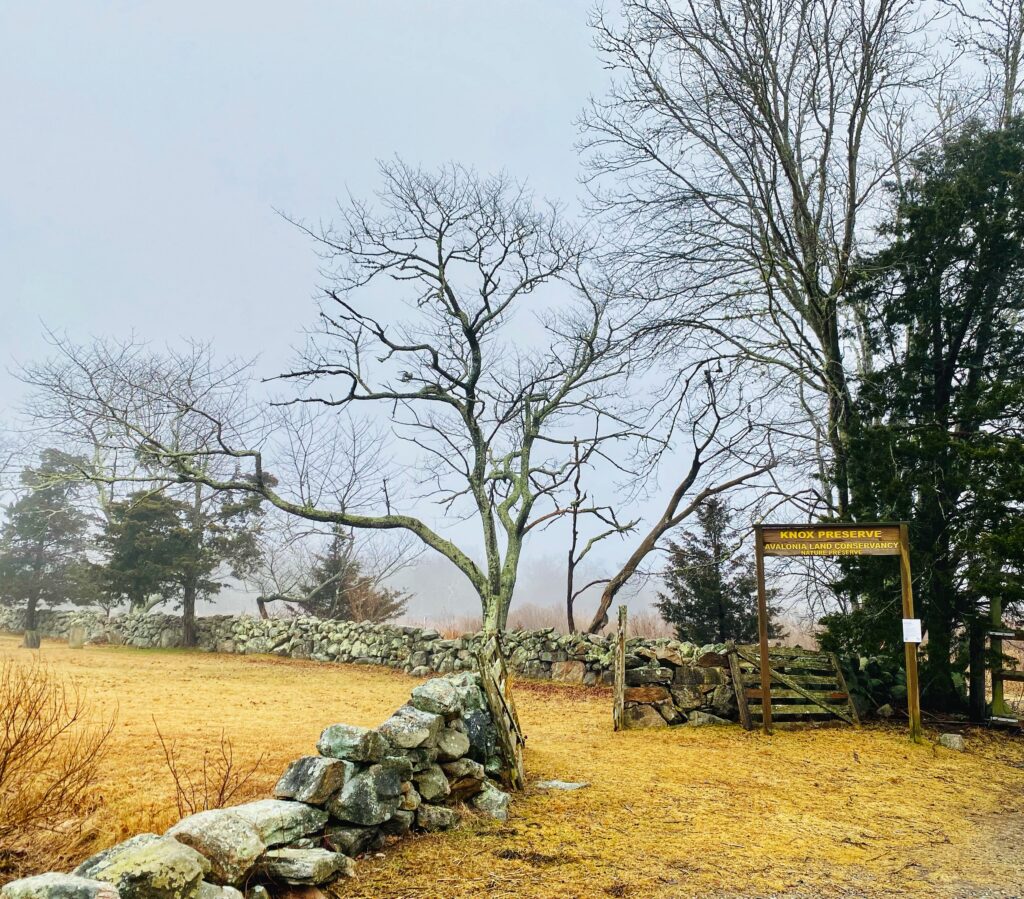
pixel 681 812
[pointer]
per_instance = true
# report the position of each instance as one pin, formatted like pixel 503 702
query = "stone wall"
pixel 667 686
pixel 672 674
pixel 364 787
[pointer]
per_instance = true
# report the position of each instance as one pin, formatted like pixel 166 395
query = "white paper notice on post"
pixel 911 630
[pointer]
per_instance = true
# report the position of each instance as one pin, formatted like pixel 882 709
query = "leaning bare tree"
pixel 719 441
pixel 482 420
pixel 743 144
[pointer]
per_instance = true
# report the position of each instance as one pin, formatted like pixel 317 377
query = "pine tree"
pixel 43 541
pixel 712 590
pixel 942 439
pixel 337 587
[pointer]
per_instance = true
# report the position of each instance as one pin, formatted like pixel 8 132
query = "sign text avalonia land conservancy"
pixel 842 540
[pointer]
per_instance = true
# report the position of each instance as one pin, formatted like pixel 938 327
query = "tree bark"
pixel 188 614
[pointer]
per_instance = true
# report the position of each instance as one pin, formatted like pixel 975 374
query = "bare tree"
pixel 727 450
pixel 484 422
pixel 743 145
pixel 992 33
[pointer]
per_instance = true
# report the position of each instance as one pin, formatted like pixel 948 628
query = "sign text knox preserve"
pixel 841 540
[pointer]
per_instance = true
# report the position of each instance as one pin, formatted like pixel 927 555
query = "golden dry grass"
pixel 682 812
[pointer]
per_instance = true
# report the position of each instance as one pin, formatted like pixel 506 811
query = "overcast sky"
pixel 147 145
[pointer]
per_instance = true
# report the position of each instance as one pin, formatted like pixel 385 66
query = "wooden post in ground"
pixel 976 655
pixel 999 707
pixel 619 706
pixel 910 649
pixel 762 628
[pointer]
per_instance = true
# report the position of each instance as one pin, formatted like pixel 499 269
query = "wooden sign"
pixel 831 540
pixel 836 540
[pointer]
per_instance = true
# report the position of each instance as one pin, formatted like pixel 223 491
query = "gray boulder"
pixel 704 719
pixel 410 728
pixel 306 866
pixel 279 821
pixel 399 824
pixel 467 685
pixel 148 867
pixel 434 817
pixel 371 797
pixel 432 784
pixel 353 840
pixel 58 886
pixel 355 744
pixel 213 891
pixel 483 736
pixel 314 779
pixel 451 745
pixel 492 801
pixel 953 741
pixel 465 778
pixel 229 842
pixel 438 696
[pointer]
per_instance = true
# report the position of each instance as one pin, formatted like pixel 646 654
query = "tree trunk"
pixel 30 614
pixel 188 614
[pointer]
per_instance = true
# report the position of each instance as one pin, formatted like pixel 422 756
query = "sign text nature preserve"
pixel 844 539
pixel 841 540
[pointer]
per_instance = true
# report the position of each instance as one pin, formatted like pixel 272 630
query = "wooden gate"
pixel 990 659
pixel 804 684
pixel 494 677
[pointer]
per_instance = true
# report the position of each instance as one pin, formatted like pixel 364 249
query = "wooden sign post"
pixel 839 540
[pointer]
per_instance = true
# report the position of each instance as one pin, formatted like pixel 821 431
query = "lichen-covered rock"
pixel 411 728
pixel 229 842
pixel 432 784
pixel 435 817
pixel 399 824
pixel 451 744
pixel 438 696
pixel 314 779
pixel 355 744
pixel 353 840
pixel 58 886
pixel 570 672
pixel 371 797
pixel 306 866
pixel 148 867
pixel 483 736
pixel 279 821
pixel 492 801
pixel 465 778
pixel 639 677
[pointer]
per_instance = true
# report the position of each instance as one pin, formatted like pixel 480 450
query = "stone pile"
pixel 363 787
pixel 682 685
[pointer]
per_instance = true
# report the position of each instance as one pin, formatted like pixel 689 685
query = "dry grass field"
pixel 686 812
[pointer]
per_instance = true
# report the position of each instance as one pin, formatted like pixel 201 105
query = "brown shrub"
pixel 49 756
pixel 213 783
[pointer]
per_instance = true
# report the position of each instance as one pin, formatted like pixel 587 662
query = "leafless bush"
pixel 214 783
pixel 49 757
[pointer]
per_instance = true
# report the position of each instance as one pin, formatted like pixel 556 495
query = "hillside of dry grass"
pixel 683 812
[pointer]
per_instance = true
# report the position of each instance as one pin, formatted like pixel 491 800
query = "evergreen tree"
pixel 941 441
pixel 161 547
pixel 712 591
pixel 337 587
pixel 43 541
